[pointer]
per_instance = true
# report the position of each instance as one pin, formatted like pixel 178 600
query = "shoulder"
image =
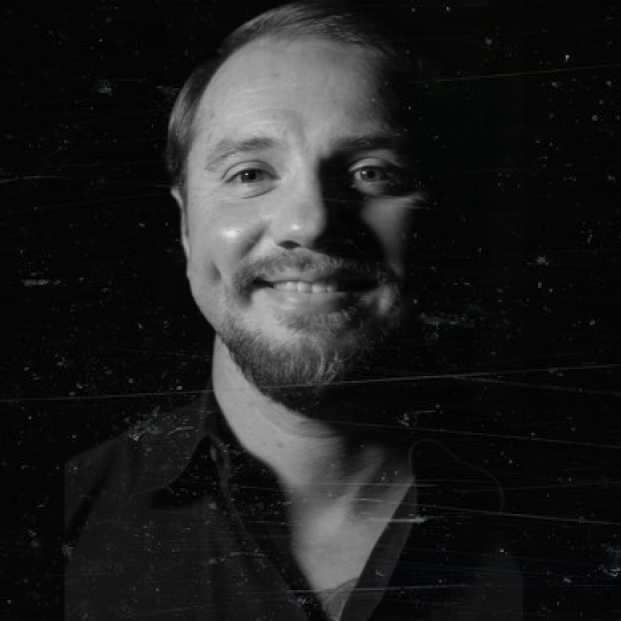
pixel 104 478
pixel 450 479
pixel 102 475
pixel 120 454
pixel 87 474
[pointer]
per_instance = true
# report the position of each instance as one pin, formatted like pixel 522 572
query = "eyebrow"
pixel 228 148
pixel 371 142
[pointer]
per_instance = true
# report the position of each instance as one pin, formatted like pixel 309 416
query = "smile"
pixel 313 293
pixel 317 283
pixel 303 286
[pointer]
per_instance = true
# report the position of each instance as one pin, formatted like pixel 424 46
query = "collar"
pixel 167 441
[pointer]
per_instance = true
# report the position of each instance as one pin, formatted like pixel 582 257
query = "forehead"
pixel 307 86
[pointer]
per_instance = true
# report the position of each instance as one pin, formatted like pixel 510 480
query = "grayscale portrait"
pixel 333 381
pixel 297 160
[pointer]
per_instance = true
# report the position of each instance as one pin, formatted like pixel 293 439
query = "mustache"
pixel 265 267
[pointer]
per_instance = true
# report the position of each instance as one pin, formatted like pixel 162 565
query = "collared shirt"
pixel 174 521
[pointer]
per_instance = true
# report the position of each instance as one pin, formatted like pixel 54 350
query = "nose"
pixel 307 218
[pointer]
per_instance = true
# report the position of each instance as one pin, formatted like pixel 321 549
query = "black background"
pixel 100 327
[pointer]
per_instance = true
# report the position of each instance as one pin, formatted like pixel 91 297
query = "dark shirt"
pixel 174 521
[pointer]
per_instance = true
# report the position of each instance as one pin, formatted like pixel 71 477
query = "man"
pixel 286 494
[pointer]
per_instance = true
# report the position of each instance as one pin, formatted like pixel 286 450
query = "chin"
pixel 301 365
pixel 330 329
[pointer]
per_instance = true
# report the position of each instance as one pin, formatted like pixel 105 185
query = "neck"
pixel 314 456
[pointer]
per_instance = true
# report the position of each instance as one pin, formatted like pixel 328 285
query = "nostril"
pixel 289 245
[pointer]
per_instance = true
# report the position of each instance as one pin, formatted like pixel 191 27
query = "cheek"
pixel 392 225
pixel 219 240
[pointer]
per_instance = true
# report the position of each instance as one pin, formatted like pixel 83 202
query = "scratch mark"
pixel 39 282
pixel 531 516
pixel 176 429
pixel 418 519
pixel 384 380
pixel 516 74
pixel 552 387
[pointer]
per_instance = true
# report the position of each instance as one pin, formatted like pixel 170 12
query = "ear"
pixel 177 194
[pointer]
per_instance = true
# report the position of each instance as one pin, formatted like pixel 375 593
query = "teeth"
pixel 319 286
pixel 303 286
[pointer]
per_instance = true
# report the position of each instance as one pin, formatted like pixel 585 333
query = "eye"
pixel 371 174
pixel 375 180
pixel 250 180
pixel 249 176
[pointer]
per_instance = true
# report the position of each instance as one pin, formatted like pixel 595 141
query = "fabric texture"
pixel 174 521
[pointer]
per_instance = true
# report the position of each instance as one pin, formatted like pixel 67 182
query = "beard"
pixel 326 352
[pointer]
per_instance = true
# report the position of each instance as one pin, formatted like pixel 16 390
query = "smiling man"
pixel 296 206
pixel 285 494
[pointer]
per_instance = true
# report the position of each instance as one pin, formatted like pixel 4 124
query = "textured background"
pixel 523 249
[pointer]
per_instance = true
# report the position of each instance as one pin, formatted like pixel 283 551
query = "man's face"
pixel 297 214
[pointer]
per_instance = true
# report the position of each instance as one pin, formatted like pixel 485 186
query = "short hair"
pixel 332 21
